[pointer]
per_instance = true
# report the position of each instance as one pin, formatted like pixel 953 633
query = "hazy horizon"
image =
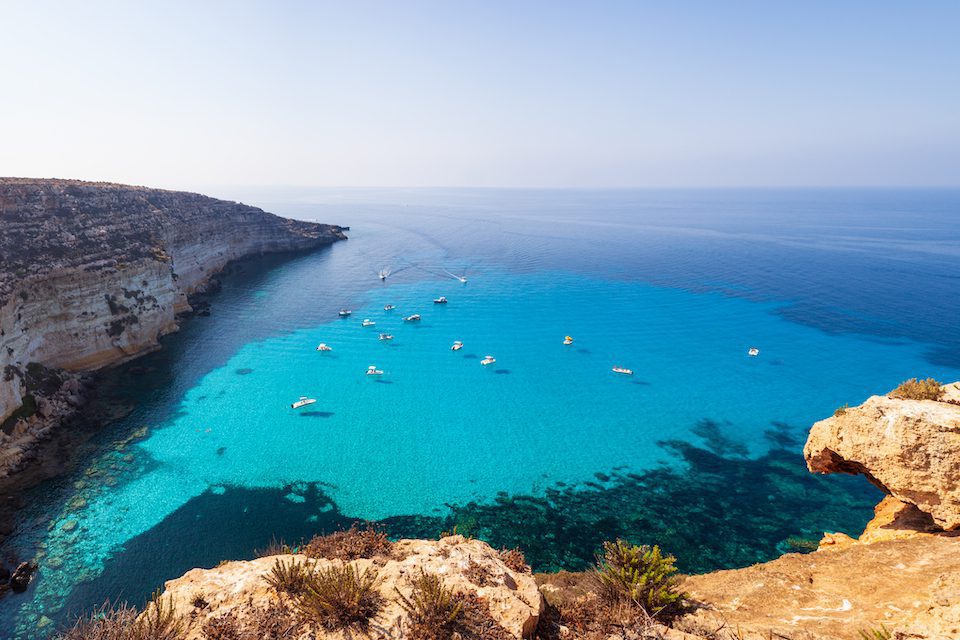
pixel 619 95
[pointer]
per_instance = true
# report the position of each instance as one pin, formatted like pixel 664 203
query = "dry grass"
pixel 478 574
pixel 158 622
pixel 289 578
pixel 273 622
pixel 914 389
pixel 349 545
pixel 341 597
pixel 515 560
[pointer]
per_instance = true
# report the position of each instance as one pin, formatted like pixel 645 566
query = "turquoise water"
pixel 701 436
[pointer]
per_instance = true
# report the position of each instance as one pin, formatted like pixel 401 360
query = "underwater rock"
pixel 69 526
pixel 20 578
pixel 908 448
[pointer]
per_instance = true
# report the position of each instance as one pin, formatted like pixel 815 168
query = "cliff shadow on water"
pixel 703 510
pixel 122 399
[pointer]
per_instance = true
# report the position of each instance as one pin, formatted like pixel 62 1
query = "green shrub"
pixel 288 577
pixel 914 389
pixel 638 574
pixel 432 607
pixel 880 633
pixel 341 598
pixel 841 410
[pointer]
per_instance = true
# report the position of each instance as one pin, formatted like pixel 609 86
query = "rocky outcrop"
pixel 92 274
pixel 908 448
pixel 511 598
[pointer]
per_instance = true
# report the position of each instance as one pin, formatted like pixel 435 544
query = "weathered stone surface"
pixel 92 274
pixel 909 448
pixel 514 601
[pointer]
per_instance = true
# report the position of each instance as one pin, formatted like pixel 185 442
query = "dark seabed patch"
pixel 244 371
pixel 317 414
pixel 470 356
pixel 381 381
pixel 703 509
pixel 502 371
pixel 221 451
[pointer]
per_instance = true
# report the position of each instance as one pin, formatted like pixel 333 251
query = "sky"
pixel 206 94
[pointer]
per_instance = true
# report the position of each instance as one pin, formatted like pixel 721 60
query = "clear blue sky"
pixel 202 93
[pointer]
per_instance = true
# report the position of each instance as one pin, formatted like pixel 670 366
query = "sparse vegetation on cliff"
pixel 914 389
pixel 432 607
pixel 642 575
pixel 340 598
pixel 353 544
pixel 123 622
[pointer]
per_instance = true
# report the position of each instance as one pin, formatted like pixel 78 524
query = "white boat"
pixel 440 300
pixel 373 371
pixel 345 312
pixel 367 322
pixel 488 360
pixel 386 336
pixel 415 317
pixel 388 307
pixel 623 370
pixel 462 279
pixel 753 352
pixel 567 340
pixel 302 402
pixel 383 273
pixel 323 346
pixel 457 346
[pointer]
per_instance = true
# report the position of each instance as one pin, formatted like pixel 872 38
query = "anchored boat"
pixel 386 336
pixel 367 322
pixel 457 346
pixel 414 318
pixel 440 300
pixel 488 360
pixel 623 370
pixel 302 402
pixel 373 371
pixel 753 352
pixel 323 346
pixel 567 340
pixel 345 312
pixel 388 307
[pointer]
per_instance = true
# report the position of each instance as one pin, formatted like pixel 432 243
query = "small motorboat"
pixel 345 312
pixel 302 402
pixel 414 318
pixel 567 340
pixel 367 322
pixel 373 371
pixel 386 336
pixel 488 360
pixel 753 352
pixel 388 307
pixel 440 300
pixel 462 279
pixel 623 370
pixel 323 346
pixel 457 346
pixel 383 273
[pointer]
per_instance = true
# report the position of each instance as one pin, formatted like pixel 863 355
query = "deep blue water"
pixel 845 293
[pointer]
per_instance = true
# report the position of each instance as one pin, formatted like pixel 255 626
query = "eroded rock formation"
pixel 908 448
pixel 92 274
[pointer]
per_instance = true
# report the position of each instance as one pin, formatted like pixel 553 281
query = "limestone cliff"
pixel 909 448
pixel 92 274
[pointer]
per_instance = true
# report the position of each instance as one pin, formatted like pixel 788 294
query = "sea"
pixel 844 293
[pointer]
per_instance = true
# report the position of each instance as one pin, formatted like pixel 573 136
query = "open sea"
pixel 844 292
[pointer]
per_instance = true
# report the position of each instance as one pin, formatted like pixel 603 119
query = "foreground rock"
pixel 908 448
pixel 893 577
pixel 92 274
pixel 512 598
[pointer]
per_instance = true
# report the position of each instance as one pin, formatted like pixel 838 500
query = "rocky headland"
pixel 94 274
pixel 899 580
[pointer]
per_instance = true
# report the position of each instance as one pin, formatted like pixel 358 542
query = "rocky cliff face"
pixel 909 448
pixel 92 274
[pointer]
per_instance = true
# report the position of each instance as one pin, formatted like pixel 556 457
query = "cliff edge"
pixel 92 274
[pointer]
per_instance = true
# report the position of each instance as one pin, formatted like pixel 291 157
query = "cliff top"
pixel 51 224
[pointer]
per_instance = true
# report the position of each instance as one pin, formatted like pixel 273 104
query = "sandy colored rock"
pixel 514 601
pixel 907 585
pixel 908 448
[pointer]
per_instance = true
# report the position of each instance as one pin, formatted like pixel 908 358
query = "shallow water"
pixel 845 293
